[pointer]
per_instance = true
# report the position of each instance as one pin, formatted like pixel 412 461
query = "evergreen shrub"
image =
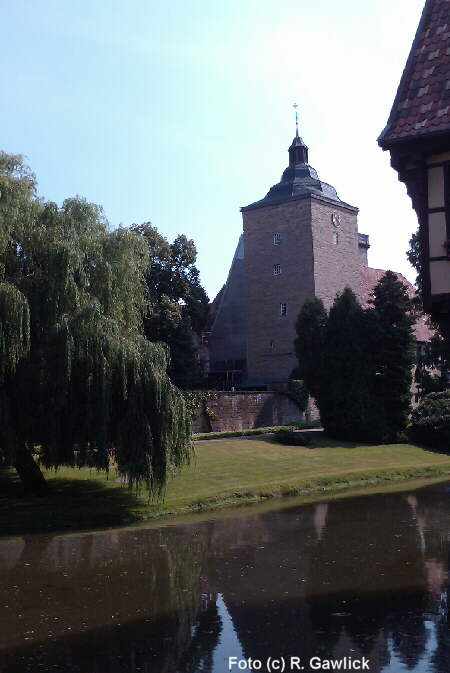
pixel 430 421
pixel 291 438
pixel 357 362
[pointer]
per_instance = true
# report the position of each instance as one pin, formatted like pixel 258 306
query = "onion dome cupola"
pixel 299 178
pixel 298 152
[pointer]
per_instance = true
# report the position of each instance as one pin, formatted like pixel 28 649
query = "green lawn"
pixel 263 466
pixel 224 472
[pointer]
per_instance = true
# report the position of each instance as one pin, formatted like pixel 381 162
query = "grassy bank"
pixel 223 474
pixel 271 429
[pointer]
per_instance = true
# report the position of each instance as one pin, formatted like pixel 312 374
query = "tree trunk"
pixel 29 472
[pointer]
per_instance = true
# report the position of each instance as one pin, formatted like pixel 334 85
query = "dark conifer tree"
pixel 309 344
pixel 394 347
pixel 347 407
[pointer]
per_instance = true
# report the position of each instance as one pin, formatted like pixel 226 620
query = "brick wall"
pixel 242 410
pixel 311 264
pixel 270 336
pixel 336 265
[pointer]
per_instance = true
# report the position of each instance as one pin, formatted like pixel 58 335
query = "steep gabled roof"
pixel 422 104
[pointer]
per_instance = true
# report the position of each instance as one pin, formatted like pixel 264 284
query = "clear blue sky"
pixel 180 112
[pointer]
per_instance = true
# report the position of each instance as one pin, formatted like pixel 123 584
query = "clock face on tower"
pixel 336 220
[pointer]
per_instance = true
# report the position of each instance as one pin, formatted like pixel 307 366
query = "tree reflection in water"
pixel 360 576
pixel 125 601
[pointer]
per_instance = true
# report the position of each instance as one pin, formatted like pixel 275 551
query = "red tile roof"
pixel 370 277
pixel 422 103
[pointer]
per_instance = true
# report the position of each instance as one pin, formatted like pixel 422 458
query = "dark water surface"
pixel 357 577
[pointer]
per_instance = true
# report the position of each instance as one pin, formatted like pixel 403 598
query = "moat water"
pixel 361 581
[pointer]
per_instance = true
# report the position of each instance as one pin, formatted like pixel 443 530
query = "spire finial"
pixel 295 106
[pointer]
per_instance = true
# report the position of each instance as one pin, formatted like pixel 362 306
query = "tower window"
pixel 283 308
pixel 276 269
pixel 335 237
pixel 272 344
pixel 277 238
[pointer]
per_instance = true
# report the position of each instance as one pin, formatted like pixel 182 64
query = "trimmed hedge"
pixel 430 421
pixel 255 431
pixel 291 438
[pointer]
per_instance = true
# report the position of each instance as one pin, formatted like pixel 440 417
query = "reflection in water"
pixel 357 577
pixel 229 644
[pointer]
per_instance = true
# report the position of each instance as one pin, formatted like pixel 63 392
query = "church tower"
pixel 300 241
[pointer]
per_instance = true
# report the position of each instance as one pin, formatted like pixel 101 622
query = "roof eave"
pixel 298 197
pixel 417 139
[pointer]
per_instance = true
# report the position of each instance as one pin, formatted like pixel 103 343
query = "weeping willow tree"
pixel 79 383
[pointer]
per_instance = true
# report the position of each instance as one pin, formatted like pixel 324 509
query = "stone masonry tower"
pixel 300 241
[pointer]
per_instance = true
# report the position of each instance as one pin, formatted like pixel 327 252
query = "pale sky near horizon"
pixel 181 112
